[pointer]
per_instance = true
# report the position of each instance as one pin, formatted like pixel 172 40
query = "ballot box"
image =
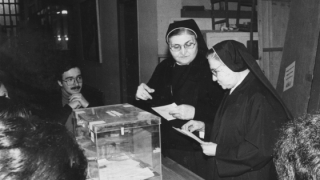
pixel 121 142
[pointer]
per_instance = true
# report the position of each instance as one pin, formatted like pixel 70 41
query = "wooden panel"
pixel 300 47
pixel 264 22
pixel 215 37
pixel 217 14
pixel 314 102
pixel 272 22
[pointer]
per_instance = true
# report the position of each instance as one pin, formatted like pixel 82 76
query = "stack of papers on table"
pixel 124 169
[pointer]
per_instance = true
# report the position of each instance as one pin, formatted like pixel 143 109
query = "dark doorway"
pixel 128 44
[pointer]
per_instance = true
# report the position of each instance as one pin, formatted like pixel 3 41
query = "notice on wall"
pixel 289 76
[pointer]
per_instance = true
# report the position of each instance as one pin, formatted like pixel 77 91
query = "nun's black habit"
pixel 247 122
pixel 188 84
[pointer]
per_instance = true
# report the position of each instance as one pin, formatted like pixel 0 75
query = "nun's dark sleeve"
pixel 160 82
pixel 209 98
pixel 156 83
pixel 261 122
pixel 157 74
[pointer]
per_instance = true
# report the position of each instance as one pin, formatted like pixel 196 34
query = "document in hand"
pixel 164 111
pixel 190 134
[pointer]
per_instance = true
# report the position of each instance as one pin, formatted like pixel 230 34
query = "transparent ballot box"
pixel 121 142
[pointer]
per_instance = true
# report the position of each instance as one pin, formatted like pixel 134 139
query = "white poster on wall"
pixel 289 76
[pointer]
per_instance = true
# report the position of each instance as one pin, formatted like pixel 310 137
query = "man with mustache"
pixel 70 81
pixel 58 105
pixel 71 85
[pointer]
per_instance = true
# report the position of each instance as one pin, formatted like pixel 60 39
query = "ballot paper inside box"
pixel 120 142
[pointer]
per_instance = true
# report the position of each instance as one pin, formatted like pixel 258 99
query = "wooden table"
pixel 174 171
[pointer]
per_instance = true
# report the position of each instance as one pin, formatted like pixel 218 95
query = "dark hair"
pixel 297 153
pixel 11 108
pixel 65 65
pixel 33 149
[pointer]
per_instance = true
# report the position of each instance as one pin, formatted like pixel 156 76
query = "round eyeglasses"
pixel 177 47
pixel 215 71
pixel 71 81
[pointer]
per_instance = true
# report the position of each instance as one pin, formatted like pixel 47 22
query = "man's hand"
pixel 183 111
pixel 74 104
pixel 79 97
pixel 209 148
pixel 143 92
pixel 193 125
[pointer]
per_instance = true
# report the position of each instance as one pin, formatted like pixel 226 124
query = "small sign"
pixel 289 76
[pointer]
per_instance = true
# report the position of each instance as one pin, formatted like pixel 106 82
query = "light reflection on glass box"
pixel 120 142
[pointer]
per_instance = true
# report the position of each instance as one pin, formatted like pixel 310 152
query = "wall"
pixel 205 3
pixel 273 18
pixel 166 15
pixel 169 11
pixel 147 38
pixel 154 17
pixel 106 76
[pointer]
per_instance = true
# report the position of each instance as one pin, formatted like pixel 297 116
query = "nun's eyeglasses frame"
pixel 177 47
pixel 215 71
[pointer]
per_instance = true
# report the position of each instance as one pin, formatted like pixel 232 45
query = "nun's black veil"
pixel 190 24
pixel 237 58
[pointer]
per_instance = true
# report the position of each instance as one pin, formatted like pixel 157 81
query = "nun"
pixel 184 78
pixel 247 124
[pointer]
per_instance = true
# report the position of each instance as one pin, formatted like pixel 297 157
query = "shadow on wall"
pixel 29 61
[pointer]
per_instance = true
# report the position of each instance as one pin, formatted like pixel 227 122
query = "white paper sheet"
pixel 164 111
pixel 190 135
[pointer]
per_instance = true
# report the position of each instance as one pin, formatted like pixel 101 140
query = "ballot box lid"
pixel 124 115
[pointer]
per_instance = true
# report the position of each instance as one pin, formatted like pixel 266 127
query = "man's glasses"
pixel 177 47
pixel 71 81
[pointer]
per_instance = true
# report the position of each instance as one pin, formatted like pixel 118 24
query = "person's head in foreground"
pixel 11 109
pixel 185 40
pixel 31 149
pixel 297 153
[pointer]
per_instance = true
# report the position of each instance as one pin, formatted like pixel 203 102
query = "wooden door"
pixel 273 18
pixel 299 54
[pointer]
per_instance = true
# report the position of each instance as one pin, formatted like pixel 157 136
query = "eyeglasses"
pixel 215 71
pixel 177 47
pixel 217 58
pixel 71 81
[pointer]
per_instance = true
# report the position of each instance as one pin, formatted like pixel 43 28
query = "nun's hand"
pixel 183 111
pixel 209 148
pixel 143 92
pixel 193 125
